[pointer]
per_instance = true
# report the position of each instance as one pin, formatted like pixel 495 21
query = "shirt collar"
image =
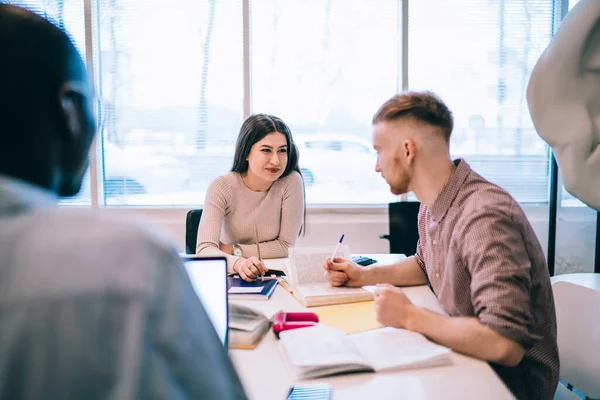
pixel 446 197
pixel 17 195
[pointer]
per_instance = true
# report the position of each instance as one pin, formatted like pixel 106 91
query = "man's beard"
pixel 401 186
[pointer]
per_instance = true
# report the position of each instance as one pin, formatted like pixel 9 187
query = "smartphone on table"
pixel 317 391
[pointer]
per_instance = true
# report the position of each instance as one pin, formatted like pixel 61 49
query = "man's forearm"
pixel 466 335
pixel 405 273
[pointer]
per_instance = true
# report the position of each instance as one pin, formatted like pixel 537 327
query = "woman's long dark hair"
pixel 254 129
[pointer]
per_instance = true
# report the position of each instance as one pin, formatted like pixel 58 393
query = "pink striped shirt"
pixel 483 259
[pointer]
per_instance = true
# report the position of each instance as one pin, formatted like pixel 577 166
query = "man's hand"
pixel 249 268
pixel 342 272
pixel 226 248
pixel 392 306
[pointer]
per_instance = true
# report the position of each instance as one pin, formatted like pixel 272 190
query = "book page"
pixel 350 318
pixel 246 322
pixel 320 346
pixel 240 289
pixel 388 348
pixel 307 264
pixel 325 289
pixel 261 310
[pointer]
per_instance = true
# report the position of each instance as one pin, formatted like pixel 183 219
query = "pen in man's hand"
pixel 337 247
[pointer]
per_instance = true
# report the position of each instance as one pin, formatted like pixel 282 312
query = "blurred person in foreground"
pixel 91 307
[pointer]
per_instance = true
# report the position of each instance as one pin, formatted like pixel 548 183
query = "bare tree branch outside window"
pixel 203 109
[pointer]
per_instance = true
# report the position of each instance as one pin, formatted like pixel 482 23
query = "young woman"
pixel 264 190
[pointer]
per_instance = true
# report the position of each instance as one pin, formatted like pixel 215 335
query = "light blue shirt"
pixel 93 307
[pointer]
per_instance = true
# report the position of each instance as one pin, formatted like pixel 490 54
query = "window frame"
pixel 96 172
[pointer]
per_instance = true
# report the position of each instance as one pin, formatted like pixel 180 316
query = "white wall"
pixel 362 227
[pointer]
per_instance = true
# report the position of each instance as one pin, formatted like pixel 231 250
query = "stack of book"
pixel 239 289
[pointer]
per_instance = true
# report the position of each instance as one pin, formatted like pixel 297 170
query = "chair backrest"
pixel 578 326
pixel 192 221
pixel 404 232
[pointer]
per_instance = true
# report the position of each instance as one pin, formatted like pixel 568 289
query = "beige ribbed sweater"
pixel 231 210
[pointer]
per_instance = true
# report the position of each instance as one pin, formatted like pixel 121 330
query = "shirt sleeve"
pixel 209 230
pixel 494 251
pixel 419 253
pixel 292 217
pixel 188 361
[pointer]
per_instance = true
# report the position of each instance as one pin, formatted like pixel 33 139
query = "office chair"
pixel 403 229
pixel 192 221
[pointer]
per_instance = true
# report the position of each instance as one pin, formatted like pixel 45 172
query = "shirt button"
pixel 434 242
pixel 437 274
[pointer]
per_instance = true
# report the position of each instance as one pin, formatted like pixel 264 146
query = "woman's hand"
pixel 249 268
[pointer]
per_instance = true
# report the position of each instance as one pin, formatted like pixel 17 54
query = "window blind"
pixel 169 77
pixel 478 56
pixel 170 83
pixel 325 67
pixel 69 16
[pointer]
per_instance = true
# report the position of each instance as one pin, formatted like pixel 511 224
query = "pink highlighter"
pixel 285 321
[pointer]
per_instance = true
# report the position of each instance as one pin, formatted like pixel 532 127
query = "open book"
pixel 248 324
pixel 321 351
pixel 306 275
pixel 350 318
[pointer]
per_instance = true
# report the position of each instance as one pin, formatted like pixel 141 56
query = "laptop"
pixel 209 279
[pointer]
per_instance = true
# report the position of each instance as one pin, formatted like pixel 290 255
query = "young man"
pixel 90 307
pixel 476 249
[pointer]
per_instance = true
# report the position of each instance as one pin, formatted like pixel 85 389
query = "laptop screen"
pixel 209 278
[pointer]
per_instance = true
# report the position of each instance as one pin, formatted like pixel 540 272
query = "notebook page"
pixel 307 264
pixel 388 348
pixel 320 346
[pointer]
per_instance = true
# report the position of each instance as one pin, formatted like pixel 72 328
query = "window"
pixel 170 80
pixel 478 56
pixel 325 67
pixel 322 145
pixel 68 15
pixel 572 3
pixel 174 86
pixel 352 147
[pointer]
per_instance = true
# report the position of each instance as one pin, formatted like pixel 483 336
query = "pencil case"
pixel 284 321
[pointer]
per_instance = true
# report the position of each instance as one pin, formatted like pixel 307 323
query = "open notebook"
pixel 306 275
pixel 321 351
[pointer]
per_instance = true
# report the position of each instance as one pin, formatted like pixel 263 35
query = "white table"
pixel 265 375
pixel 589 280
